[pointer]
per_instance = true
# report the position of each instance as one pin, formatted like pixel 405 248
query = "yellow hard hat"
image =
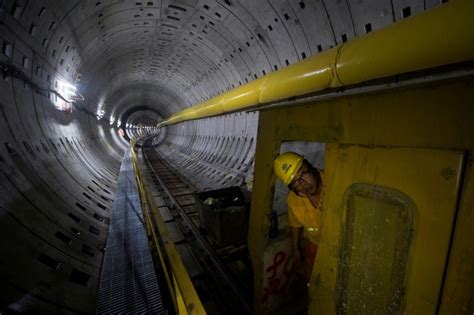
pixel 286 165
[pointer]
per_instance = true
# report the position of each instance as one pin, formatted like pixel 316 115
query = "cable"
pixel 18 73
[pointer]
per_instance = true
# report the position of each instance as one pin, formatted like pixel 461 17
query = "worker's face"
pixel 305 181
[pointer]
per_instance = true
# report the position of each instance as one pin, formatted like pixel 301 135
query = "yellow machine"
pixel 397 218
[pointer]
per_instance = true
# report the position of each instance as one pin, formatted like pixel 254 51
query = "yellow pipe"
pixel 313 74
pixel 244 96
pixel 441 36
pixel 211 107
pixel 187 114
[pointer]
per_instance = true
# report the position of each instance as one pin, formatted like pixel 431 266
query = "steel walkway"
pixel 128 284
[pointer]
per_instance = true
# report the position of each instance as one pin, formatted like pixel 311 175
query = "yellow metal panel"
pixel 262 196
pixel 377 225
pixel 403 47
pixel 430 178
pixel 438 116
pixel 458 293
pixel 179 300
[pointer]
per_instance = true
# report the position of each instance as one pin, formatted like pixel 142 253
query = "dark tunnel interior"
pixel 80 78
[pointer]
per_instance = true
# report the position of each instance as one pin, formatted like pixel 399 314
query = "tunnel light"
pixel 100 113
pixel 67 90
pixel 101 108
pixel 68 93
pixel 112 120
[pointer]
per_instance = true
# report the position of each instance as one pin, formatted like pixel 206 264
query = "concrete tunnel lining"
pixel 59 164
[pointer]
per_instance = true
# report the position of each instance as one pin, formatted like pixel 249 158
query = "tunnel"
pixel 98 97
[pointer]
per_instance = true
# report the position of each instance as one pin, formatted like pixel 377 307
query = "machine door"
pixel 387 222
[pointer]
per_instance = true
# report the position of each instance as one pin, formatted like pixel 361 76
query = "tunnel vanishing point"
pixel 138 139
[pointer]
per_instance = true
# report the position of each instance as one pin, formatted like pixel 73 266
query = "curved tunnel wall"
pixel 214 152
pixel 57 184
pixel 58 171
pixel 59 161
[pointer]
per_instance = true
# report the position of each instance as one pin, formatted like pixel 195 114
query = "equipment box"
pixel 224 215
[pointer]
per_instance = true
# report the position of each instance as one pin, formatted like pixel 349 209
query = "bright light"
pixel 68 92
pixel 65 89
pixel 100 114
pixel 101 108
pixel 112 120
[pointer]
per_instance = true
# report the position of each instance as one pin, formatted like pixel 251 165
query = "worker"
pixel 304 206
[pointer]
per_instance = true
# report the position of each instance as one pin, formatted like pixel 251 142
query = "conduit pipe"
pixel 441 36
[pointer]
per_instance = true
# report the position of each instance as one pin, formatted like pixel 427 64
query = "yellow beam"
pixel 441 36
pixel 181 288
pixel 457 296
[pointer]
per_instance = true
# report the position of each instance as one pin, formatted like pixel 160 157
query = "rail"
pixel 183 295
pixel 227 281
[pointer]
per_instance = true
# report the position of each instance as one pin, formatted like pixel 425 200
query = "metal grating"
pixel 128 283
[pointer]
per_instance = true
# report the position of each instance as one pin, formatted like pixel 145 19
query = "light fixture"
pixel 66 93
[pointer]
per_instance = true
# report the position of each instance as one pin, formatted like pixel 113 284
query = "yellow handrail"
pixel 441 36
pixel 184 297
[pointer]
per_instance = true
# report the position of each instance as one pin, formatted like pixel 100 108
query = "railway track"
pixel 221 276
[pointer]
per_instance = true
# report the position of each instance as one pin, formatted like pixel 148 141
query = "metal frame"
pixel 438 115
pixel 184 296
pixel 220 268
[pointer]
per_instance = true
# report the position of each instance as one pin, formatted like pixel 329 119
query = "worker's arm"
pixel 295 248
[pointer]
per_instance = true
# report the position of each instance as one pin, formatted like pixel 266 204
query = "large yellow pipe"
pixel 441 36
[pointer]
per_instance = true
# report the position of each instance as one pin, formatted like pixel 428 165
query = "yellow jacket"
pixel 302 213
